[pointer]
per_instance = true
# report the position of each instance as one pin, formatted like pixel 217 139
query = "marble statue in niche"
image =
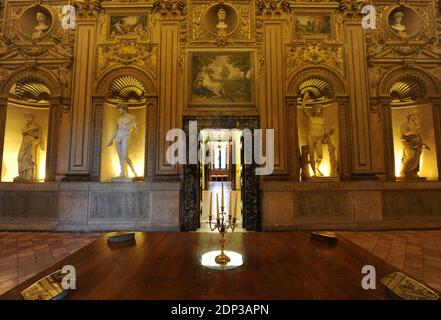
pixel 397 24
pixel 412 146
pixel 125 128
pixel 42 25
pixel 31 142
pixel 221 15
pixel 317 136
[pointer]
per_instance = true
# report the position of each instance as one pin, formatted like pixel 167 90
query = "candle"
pixel 230 214
pixel 211 205
pixel 235 207
pixel 217 202
pixel 222 204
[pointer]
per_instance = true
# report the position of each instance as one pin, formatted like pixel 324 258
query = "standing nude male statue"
pixel 125 128
pixel 316 134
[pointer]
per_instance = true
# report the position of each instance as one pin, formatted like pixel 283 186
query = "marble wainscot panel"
pixel 361 205
pixel 89 206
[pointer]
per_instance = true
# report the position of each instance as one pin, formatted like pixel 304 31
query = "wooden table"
pixel 279 265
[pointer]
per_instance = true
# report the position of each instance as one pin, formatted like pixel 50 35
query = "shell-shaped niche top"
pixel 318 89
pixel 31 90
pixel 127 89
pixel 407 90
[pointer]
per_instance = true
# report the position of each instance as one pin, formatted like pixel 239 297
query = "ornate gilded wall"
pixel 363 74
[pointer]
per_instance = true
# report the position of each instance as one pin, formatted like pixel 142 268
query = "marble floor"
pixel 23 254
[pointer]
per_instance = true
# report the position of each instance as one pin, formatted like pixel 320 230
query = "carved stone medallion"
pixel 36 22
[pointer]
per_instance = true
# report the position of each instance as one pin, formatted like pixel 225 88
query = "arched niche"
pixel 410 99
pixel 135 88
pixel 45 76
pixel 144 77
pixel 432 89
pixel 328 74
pixel 326 108
pixel 35 93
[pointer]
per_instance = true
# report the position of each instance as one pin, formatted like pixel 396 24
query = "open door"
pixel 195 176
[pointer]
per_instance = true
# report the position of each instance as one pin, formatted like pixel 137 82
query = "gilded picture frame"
pixel 221 78
pixel 313 25
pixel 128 26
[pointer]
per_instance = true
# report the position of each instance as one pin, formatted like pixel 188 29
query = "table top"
pixel 277 265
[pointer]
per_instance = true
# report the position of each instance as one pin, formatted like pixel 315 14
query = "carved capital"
pixel 169 8
pixel 352 8
pixel 87 9
pixel 271 8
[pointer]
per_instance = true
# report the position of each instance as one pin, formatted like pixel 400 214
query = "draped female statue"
pixel 412 146
pixel 31 142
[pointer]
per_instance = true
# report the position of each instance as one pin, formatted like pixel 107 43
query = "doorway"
pixel 217 170
pixel 220 176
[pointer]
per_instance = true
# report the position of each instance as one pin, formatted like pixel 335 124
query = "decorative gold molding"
pixel 352 8
pixel 201 35
pixel 127 52
pixel 169 8
pixel 271 8
pixel 407 89
pixel 315 53
pixel 87 9
pixel 382 43
pixel 329 75
pixel 417 74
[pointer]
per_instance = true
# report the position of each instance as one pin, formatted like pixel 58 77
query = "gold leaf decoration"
pixel 32 90
pixel 318 89
pixel 127 89
pixel 407 90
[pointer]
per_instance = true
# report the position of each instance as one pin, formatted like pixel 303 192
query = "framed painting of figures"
pixel 225 78
pixel 312 25
pixel 129 26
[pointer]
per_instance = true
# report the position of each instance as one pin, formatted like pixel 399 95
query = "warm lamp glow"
pixel 428 167
pixel 13 139
pixel 324 168
pixel 398 152
pixel 42 166
pixel 138 164
pixel 11 165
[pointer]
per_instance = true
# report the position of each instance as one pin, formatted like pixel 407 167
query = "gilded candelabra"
pixel 223 225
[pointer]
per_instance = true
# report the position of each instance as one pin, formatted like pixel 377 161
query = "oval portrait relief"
pixel 35 22
pixel 404 21
pixel 221 17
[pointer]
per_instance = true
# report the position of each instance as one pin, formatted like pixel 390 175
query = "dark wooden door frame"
pixel 190 200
